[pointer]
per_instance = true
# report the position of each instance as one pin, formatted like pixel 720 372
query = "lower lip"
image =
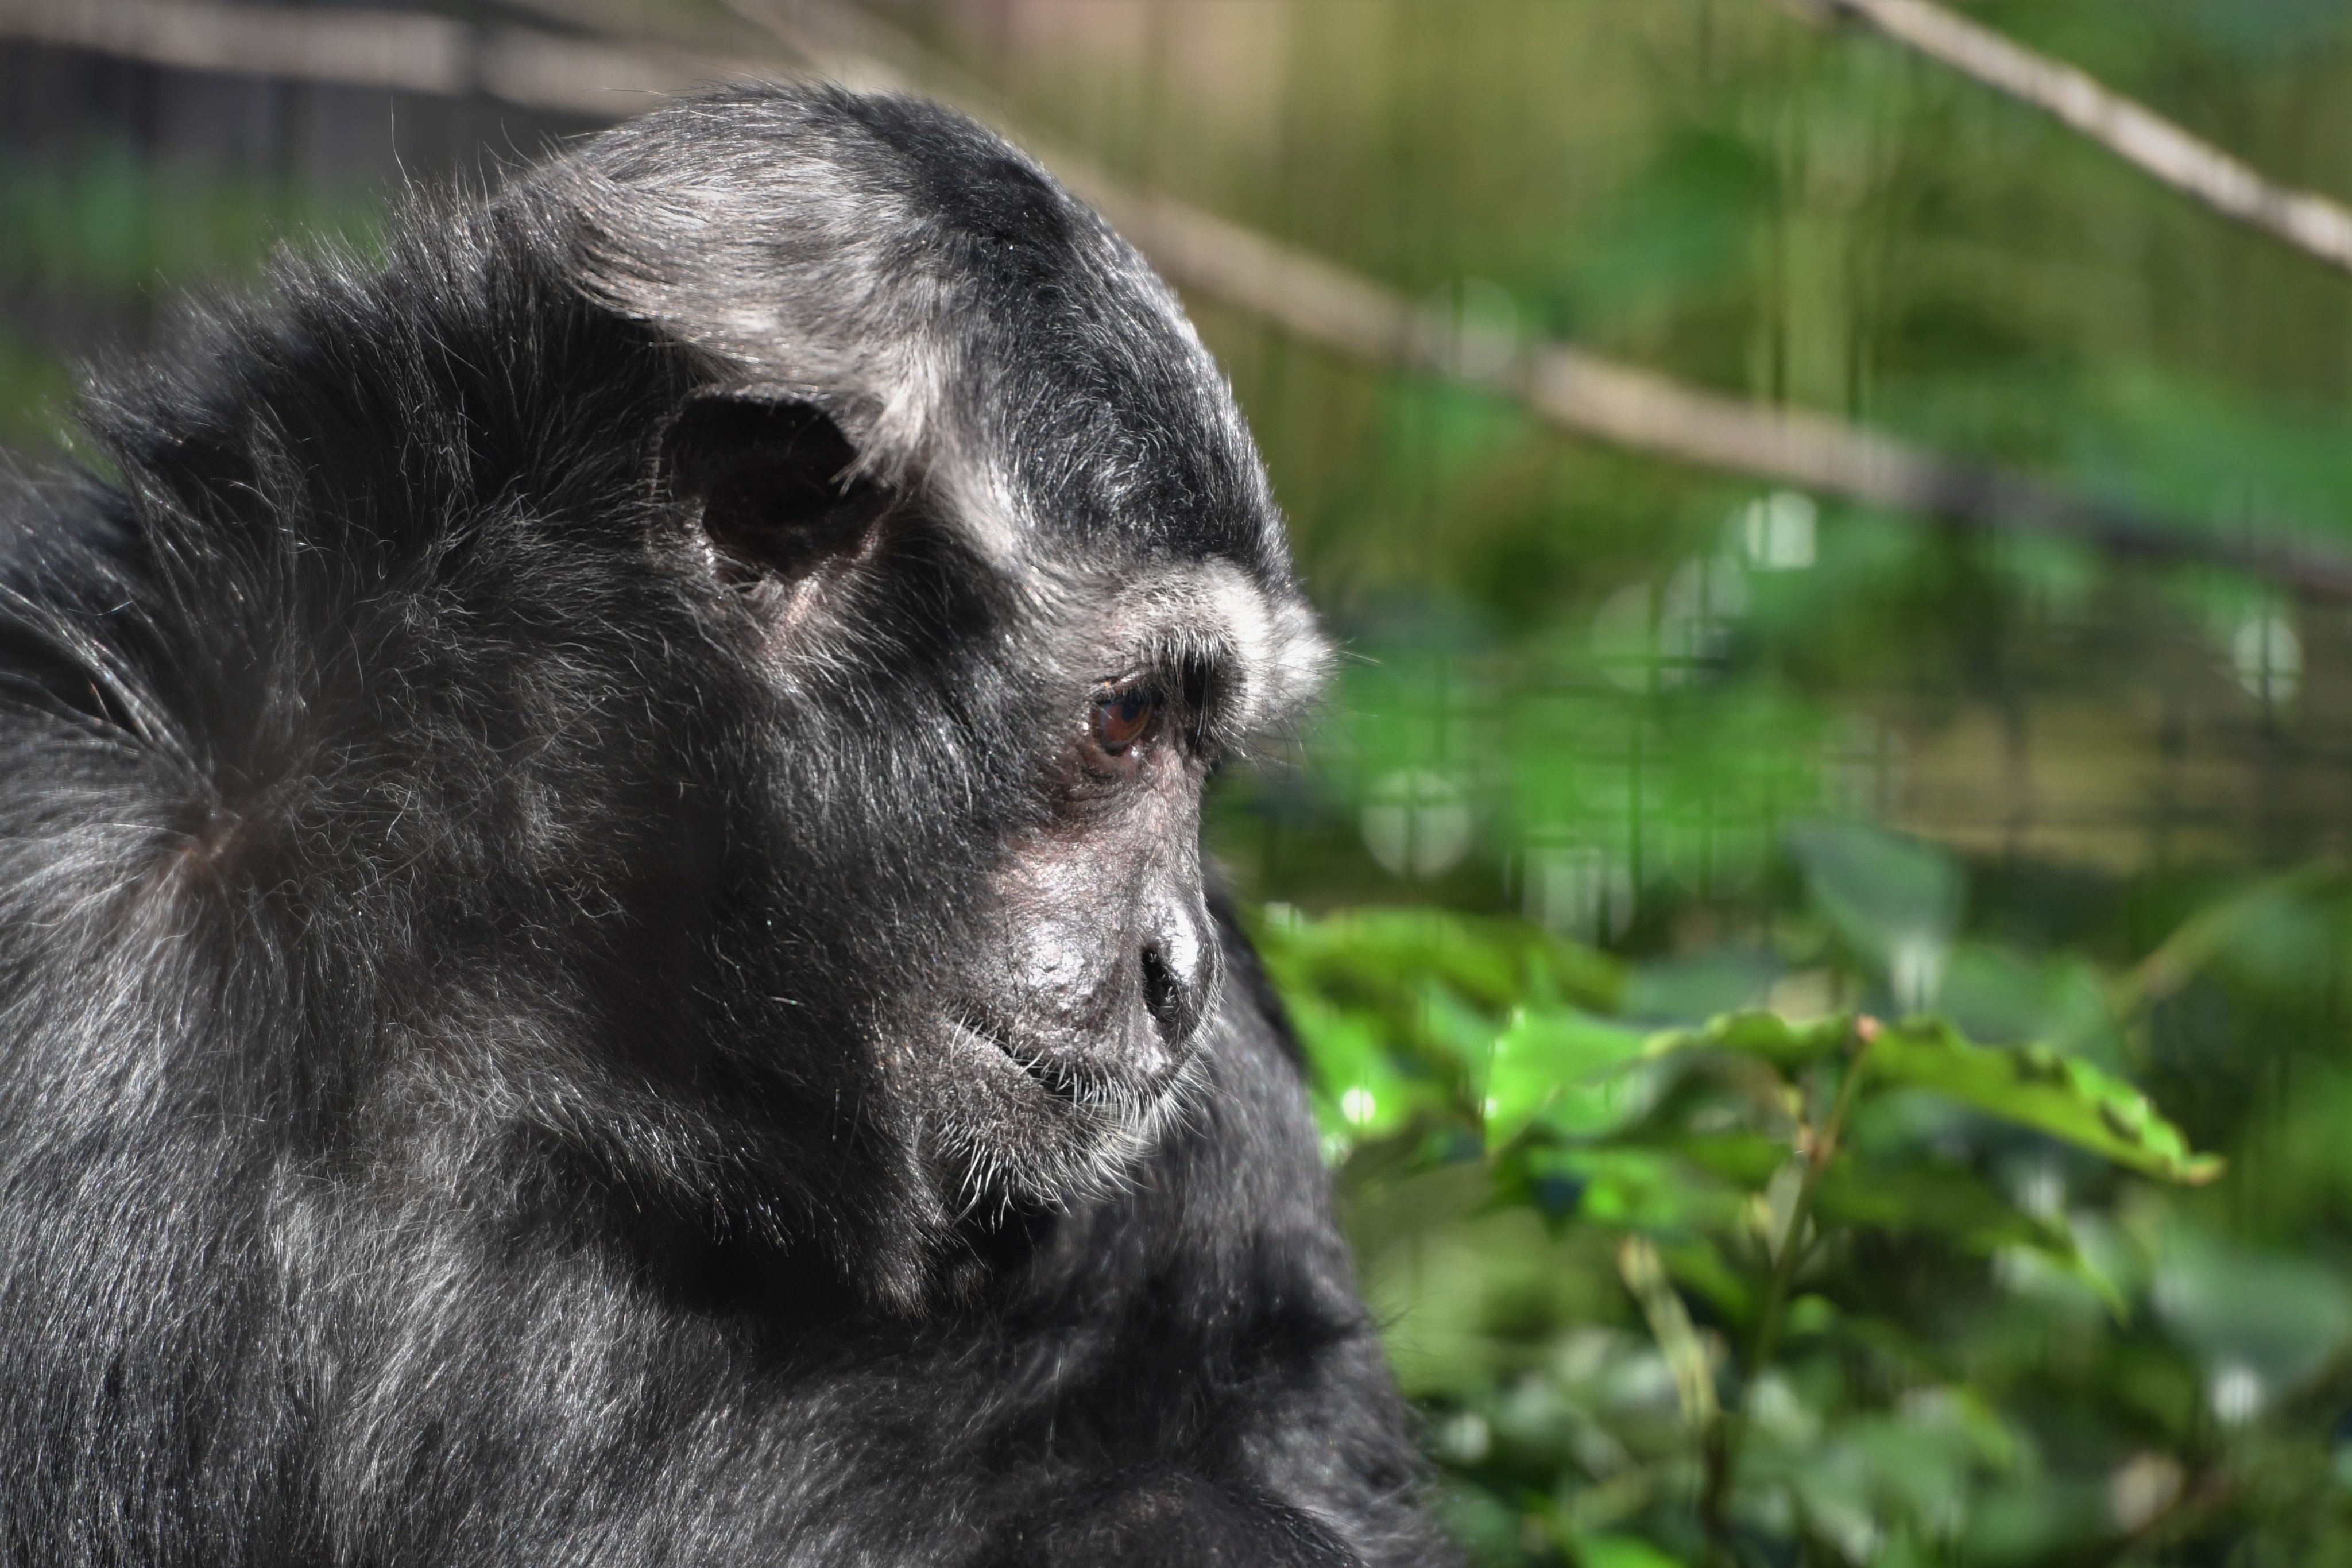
pixel 986 1040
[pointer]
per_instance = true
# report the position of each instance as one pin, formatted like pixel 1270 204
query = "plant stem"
pixel 1820 1147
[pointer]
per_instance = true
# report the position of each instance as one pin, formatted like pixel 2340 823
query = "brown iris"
pixel 1122 718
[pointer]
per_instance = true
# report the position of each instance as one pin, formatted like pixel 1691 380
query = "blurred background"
pixel 1817 544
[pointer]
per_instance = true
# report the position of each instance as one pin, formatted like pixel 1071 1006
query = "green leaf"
pixel 1565 1068
pixel 1743 1158
pixel 1885 892
pixel 1768 1035
pixel 2035 1087
pixel 1621 1552
pixel 2281 1316
pixel 1648 1191
pixel 1941 1200
pixel 1697 1264
pixel 1383 955
pixel 1359 1090
pixel 1452 1034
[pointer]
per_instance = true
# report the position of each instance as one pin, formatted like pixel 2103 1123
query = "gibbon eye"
pixel 1122 718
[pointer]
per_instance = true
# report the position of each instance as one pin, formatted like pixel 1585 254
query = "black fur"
pixel 488 808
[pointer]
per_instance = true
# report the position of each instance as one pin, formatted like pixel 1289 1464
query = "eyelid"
pixel 1128 679
pixel 1189 688
pixel 1197 678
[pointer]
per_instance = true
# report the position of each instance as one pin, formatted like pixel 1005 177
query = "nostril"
pixel 1163 996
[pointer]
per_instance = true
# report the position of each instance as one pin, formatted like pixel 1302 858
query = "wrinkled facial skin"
pixel 967 489
pixel 1098 965
pixel 1039 1057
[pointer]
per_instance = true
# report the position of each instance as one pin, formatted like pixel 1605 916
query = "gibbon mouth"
pixel 1055 1078
pixel 1071 1082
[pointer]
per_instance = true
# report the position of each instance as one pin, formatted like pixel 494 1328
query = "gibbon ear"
pixel 769 481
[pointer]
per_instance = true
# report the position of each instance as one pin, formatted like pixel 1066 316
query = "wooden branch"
pixel 1600 398
pixel 1305 295
pixel 2313 224
pixel 407 51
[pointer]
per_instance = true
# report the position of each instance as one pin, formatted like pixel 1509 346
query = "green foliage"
pixel 1763 1283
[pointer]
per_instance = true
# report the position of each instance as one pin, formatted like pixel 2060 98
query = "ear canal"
pixel 769 482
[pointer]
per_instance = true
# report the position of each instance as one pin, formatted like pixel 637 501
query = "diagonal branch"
pixel 403 50
pixel 1626 406
pixel 1306 295
pixel 2313 224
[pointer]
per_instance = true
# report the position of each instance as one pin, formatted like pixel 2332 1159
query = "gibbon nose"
pixel 1182 963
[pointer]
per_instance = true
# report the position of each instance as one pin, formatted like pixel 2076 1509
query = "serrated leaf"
pixel 2033 1086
